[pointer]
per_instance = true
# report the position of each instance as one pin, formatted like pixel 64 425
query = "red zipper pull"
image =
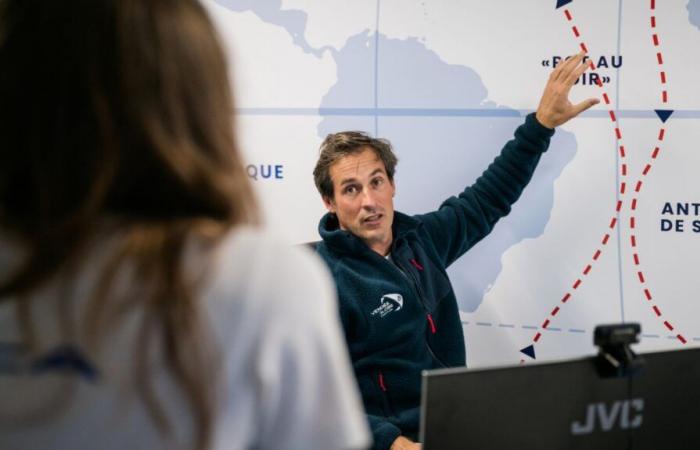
pixel 433 329
pixel 416 264
pixel 382 386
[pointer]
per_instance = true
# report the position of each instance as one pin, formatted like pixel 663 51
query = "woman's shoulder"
pixel 257 265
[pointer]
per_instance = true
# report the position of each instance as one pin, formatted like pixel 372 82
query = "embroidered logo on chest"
pixel 388 303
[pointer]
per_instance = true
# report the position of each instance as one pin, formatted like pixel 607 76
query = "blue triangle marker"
pixel 664 114
pixel 529 351
pixel 561 3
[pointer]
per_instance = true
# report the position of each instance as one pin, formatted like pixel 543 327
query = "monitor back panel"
pixel 565 405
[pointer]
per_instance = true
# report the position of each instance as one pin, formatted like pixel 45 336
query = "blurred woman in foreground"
pixel 138 307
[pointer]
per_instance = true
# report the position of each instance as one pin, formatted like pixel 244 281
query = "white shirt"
pixel 287 380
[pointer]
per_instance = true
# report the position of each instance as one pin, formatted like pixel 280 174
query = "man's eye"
pixel 378 181
pixel 350 189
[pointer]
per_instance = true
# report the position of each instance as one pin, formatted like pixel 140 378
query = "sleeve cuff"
pixel 535 127
pixel 385 435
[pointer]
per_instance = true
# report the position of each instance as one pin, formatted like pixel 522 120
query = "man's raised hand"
pixel 555 108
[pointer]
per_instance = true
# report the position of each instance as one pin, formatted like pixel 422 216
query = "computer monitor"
pixel 565 405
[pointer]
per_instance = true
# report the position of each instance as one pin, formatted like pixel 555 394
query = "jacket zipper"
pixel 432 353
pixel 419 293
pixel 389 410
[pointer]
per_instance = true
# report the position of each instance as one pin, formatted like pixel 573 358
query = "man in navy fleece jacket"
pixel 397 305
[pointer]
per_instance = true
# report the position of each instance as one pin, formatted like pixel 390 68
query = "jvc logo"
pixel 627 412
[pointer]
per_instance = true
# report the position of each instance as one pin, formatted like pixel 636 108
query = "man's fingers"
pixel 557 70
pixel 562 68
pixel 571 65
pixel 576 73
pixel 584 105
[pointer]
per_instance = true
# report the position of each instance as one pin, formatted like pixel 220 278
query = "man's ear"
pixel 329 204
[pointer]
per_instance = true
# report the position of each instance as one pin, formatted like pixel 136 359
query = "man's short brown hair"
pixel 339 145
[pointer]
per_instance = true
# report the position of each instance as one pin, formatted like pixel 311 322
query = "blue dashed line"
pixel 670 336
pixel 570 330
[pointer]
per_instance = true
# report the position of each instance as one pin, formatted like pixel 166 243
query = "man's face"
pixel 363 198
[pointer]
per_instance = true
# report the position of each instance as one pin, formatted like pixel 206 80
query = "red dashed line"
pixel 613 222
pixel 647 168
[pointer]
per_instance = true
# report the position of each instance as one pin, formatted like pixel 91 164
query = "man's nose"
pixel 369 200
